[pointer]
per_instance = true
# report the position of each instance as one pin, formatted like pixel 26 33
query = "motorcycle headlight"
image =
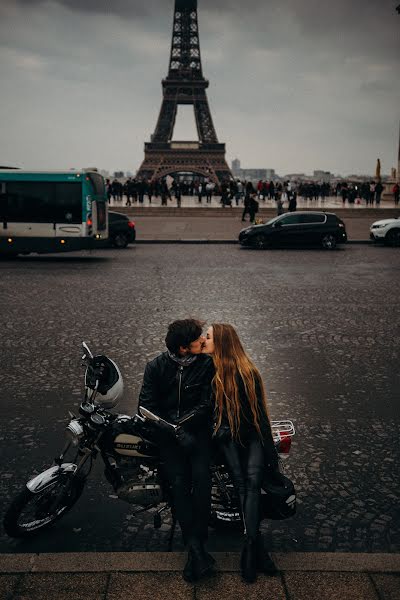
pixel 75 432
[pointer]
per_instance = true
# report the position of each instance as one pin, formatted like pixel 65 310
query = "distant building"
pixel 236 167
pixel 119 174
pixel 295 177
pixel 322 175
pixel 253 174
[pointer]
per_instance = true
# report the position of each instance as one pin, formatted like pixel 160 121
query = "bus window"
pixel 69 202
pixel 30 202
pixel 97 182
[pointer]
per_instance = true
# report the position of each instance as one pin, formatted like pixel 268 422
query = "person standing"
pixel 279 204
pixel 209 191
pixel 372 192
pixel 177 387
pixel 178 193
pixel 242 431
pixel 200 192
pixel 293 202
pixel 396 190
pixel 378 192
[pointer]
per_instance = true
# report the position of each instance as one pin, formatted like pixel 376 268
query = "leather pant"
pixel 189 477
pixel 246 466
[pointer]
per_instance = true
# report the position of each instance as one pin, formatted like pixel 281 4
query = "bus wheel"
pixel 120 240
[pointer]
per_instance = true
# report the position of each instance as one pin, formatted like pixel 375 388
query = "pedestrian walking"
pixel 253 207
pixel 246 209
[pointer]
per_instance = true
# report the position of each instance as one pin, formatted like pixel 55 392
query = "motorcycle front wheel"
pixel 30 513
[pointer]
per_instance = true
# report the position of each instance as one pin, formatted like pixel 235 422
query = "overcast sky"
pixel 295 85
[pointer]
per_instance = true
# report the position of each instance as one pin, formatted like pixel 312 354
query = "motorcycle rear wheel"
pixel 45 508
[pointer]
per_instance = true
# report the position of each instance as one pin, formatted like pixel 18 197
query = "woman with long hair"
pixel 243 431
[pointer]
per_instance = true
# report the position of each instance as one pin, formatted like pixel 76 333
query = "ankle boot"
pixel 248 561
pixel 264 562
pixel 203 563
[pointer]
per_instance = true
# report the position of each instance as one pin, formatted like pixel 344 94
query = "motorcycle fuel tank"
pixel 127 444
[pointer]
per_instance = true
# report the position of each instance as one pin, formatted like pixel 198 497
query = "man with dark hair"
pixel 177 387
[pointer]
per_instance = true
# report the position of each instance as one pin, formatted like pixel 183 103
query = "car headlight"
pixel 378 226
pixel 74 432
pixel 247 230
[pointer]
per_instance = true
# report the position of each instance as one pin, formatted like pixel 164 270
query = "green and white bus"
pixel 51 211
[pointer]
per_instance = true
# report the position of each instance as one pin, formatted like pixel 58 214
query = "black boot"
pixel 199 563
pixel 188 574
pixel 248 561
pixel 265 564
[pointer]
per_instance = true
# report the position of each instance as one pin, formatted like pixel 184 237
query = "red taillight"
pixel 131 224
pixel 89 222
pixel 284 445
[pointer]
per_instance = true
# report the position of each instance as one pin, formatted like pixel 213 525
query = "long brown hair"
pixel 231 361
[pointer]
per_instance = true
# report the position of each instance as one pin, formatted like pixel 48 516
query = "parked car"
pixel 386 231
pixel 309 228
pixel 121 230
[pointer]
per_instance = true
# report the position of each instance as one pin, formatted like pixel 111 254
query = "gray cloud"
pixel 294 84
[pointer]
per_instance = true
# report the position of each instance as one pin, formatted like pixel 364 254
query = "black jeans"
pixel 189 476
pixel 246 464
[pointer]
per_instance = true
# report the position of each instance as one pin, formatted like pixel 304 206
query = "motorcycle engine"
pixel 144 489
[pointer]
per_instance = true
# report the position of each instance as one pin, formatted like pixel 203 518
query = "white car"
pixel 387 231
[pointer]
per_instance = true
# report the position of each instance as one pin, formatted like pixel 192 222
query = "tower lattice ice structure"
pixel 185 85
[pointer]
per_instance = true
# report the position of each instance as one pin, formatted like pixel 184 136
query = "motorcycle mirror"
pixel 148 414
pixel 87 350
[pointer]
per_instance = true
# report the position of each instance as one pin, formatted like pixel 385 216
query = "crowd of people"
pixel 237 192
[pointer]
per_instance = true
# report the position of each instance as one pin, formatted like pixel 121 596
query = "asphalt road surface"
pixel 323 327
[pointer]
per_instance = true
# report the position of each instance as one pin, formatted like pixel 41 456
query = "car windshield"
pixel 272 220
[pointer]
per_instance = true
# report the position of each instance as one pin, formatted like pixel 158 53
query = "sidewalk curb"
pixel 227 242
pixel 99 562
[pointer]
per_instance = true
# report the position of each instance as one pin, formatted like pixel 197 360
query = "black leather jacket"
pixel 173 392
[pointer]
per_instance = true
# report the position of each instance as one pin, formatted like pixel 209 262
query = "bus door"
pixel 69 212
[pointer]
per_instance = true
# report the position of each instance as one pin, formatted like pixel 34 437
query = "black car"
pixel 296 229
pixel 121 230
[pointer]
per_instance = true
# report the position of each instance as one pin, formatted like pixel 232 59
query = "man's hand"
pixel 185 439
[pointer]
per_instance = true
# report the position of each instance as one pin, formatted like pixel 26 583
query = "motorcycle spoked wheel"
pixel 30 513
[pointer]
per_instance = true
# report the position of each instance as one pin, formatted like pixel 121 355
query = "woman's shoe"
pixel 264 562
pixel 248 561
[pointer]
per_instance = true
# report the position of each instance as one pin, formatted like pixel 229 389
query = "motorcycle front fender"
pixel 43 480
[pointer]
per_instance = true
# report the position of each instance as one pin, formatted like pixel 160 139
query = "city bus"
pixel 51 211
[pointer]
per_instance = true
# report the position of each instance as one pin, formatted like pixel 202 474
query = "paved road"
pixel 322 327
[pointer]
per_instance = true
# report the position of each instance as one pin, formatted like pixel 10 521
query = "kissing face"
pixel 208 346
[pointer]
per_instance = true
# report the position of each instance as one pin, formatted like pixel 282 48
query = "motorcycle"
pixel 132 464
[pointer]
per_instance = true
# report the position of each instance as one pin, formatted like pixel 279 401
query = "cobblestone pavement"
pixel 322 327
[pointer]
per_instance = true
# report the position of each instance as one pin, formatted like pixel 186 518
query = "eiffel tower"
pixel 185 85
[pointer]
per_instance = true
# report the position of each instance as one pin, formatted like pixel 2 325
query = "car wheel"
pixel 393 238
pixel 120 240
pixel 260 242
pixel 328 241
